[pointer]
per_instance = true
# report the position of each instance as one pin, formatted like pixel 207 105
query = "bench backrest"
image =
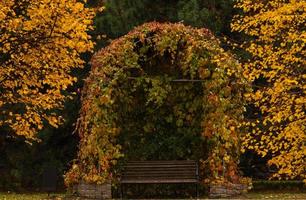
pixel 180 171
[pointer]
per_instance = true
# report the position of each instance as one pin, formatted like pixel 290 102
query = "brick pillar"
pixel 93 191
pixel 226 191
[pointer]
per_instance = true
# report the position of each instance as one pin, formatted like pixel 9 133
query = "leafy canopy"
pixel 277 68
pixel 40 43
pixel 131 89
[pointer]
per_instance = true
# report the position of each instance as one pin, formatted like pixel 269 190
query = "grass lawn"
pixel 251 195
pixel 32 196
pixel 274 195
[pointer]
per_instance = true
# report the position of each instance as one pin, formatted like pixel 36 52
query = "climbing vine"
pixel 148 69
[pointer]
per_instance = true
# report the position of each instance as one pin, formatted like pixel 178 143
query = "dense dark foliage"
pixel 120 16
pixel 22 164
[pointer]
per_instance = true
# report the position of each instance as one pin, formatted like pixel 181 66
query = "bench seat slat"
pixel 160 181
pixel 158 175
pixel 159 169
pixel 163 161
pixel 158 178
pixel 161 166
pixel 158 172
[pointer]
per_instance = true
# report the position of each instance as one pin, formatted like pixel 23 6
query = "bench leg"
pixel 121 191
pixel 197 188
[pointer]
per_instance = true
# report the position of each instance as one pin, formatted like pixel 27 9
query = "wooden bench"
pixel 145 172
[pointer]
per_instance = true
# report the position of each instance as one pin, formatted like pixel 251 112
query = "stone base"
pixel 226 191
pixel 93 191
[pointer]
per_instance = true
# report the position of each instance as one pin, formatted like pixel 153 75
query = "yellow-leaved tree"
pixel 277 33
pixel 40 43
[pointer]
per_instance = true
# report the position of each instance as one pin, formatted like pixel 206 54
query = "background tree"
pixel 277 69
pixel 120 16
pixel 40 43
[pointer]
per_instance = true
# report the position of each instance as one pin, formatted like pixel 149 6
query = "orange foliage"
pixel 40 43
pixel 277 29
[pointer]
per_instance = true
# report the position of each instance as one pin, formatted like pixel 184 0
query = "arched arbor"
pixel 161 78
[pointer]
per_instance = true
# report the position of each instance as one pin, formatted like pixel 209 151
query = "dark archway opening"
pixel 166 128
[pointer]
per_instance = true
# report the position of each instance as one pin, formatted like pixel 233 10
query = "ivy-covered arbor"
pixel 160 80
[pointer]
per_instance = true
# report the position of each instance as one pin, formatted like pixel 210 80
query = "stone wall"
pixel 93 191
pixel 228 190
